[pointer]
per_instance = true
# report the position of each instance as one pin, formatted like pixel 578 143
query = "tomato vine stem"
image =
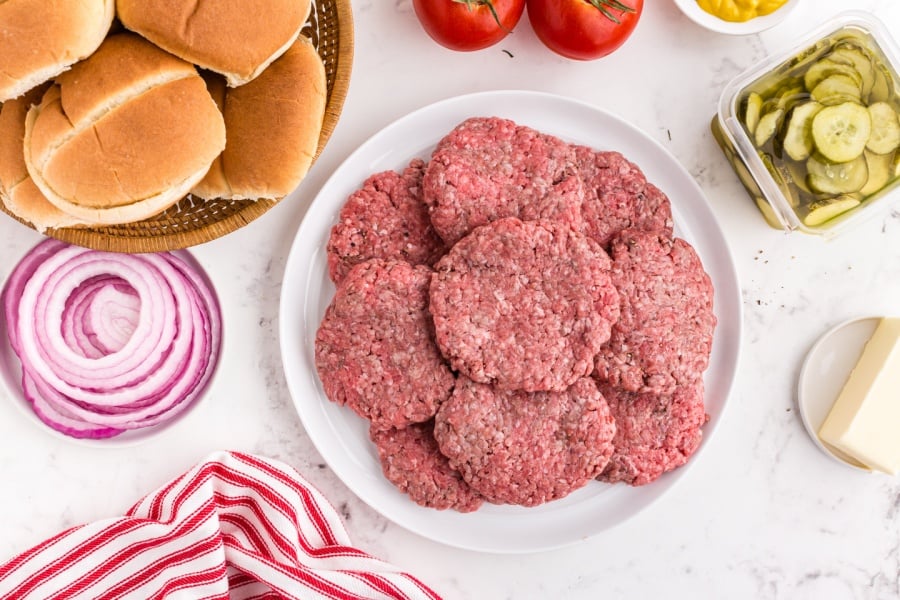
pixel 473 4
pixel 604 6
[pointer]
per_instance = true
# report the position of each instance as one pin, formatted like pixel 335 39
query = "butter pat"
pixel 865 420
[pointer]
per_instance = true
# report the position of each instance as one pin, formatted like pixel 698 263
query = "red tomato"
pixel 584 29
pixel 468 24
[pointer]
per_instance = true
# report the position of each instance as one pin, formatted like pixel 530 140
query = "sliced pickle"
pixel 827 177
pixel 781 179
pixel 754 103
pixel 797 175
pixel 744 175
pixel 768 125
pixel 859 60
pixel 880 169
pixel 840 132
pixel 836 89
pixel 819 71
pixel 791 96
pixel 884 84
pixel 779 88
pixel 824 210
pixel 798 139
pixel 768 213
pixel 885 135
pixel 825 68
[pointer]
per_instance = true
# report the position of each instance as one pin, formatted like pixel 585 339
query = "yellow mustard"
pixel 740 10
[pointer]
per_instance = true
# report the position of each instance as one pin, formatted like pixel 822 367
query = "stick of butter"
pixel 865 420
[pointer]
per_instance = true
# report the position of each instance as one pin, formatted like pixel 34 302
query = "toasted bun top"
pixel 214 184
pixel 18 192
pixel 39 39
pixel 12 136
pixel 273 125
pixel 122 68
pixel 28 203
pixel 237 38
pixel 129 124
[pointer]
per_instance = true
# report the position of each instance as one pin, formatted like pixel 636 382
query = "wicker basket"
pixel 195 221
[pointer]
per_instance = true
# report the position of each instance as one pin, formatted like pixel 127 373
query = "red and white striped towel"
pixel 235 526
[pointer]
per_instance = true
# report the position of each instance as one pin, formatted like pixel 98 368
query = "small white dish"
pixel 825 370
pixel 11 381
pixel 699 16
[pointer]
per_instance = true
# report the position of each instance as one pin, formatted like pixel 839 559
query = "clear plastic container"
pixel 766 132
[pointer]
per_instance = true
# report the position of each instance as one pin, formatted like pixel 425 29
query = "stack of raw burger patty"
pixel 515 318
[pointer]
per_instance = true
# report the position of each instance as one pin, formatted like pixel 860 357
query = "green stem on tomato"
pixel 604 6
pixel 472 4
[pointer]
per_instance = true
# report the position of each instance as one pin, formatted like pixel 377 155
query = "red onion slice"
pixel 43 301
pixel 41 399
pixel 113 315
pixel 103 303
pixel 17 280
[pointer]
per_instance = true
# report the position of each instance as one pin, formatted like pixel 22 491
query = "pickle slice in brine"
pixel 768 213
pixel 768 125
pixel 882 90
pixel 880 171
pixel 885 135
pixel 824 210
pixel 797 173
pixel 752 107
pixel 836 89
pixel 857 58
pixel 827 177
pixel 798 140
pixel 840 132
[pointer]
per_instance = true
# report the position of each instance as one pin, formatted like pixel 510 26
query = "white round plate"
pixel 11 379
pixel 342 437
pixel 824 372
pixel 699 16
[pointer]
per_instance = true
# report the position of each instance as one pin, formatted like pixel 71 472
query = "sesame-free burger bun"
pixel 272 124
pixel 124 134
pixel 40 39
pixel 236 38
pixel 17 191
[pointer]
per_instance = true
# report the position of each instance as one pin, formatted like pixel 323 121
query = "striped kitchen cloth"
pixel 235 526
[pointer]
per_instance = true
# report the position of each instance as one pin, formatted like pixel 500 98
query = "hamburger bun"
pixel 236 38
pixel 273 125
pixel 124 134
pixel 17 191
pixel 39 39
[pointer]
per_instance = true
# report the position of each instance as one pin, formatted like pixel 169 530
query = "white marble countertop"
pixel 762 513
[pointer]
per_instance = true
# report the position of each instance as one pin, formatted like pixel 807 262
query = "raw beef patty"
pixel 525 448
pixel 523 305
pixel 375 349
pixel 490 168
pixel 386 218
pixel 617 196
pixel 654 433
pixel 411 460
pixel 664 334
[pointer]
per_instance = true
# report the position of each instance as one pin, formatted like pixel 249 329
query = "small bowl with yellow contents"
pixel 813 133
pixel 737 17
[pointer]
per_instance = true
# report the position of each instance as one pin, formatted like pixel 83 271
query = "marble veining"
pixel 761 514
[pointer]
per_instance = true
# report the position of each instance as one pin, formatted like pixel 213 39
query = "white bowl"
pixel 713 23
pixel 11 380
